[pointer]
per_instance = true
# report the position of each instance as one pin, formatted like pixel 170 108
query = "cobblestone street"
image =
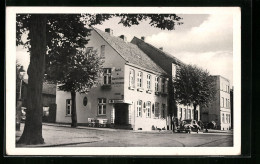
pixel 62 135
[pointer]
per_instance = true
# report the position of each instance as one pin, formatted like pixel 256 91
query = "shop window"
pixel 189 113
pixel 223 118
pixel 102 106
pixel 107 76
pixel 68 106
pixel 139 108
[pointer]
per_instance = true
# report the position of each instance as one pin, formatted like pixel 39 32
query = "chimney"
pixel 161 48
pixel 143 38
pixel 109 30
pixel 123 37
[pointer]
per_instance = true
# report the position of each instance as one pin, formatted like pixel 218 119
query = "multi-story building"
pixel 169 64
pixel 218 109
pixel 132 93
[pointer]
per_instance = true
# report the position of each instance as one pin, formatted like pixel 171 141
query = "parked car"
pixel 212 125
pixel 188 126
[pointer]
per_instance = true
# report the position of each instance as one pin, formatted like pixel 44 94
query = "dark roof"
pixel 162 58
pixel 47 88
pixel 130 52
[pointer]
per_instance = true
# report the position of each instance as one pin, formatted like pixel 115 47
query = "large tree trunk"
pixel 32 133
pixel 73 110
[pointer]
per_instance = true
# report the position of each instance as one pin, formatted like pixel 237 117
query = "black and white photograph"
pixel 123 81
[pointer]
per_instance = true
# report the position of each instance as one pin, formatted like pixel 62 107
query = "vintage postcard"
pixel 135 81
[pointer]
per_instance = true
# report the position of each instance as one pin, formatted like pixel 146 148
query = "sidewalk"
pixel 64 137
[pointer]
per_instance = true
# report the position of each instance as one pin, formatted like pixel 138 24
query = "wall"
pixel 134 95
pixel 112 60
pixel 225 93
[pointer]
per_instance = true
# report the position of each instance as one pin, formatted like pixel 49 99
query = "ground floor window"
pixel 179 113
pixel 68 106
pixel 163 110
pixel 156 114
pixel 148 109
pixel 102 106
pixel 223 118
pixel 139 108
pixel 189 114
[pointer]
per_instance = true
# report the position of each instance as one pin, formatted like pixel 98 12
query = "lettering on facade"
pixel 117 78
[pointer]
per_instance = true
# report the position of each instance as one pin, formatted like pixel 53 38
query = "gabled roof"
pixel 47 88
pixel 130 52
pixel 161 58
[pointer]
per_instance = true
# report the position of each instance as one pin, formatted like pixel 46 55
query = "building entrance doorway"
pixel 121 114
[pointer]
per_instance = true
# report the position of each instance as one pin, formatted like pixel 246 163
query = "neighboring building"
pixel 48 100
pixel 132 93
pixel 219 109
pixel 169 64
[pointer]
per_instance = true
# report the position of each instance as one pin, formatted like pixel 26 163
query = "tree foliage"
pixel 193 86
pixel 60 35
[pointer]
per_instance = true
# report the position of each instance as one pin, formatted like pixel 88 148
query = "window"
pixel 227 88
pixel 166 86
pixel 148 81
pixel 107 76
pixel 227 118
pixel 184 114
pixel 222 102
pixel 156 84
pixel 173 70
pixel 139 79
pixel 139 108
pixel 163 85
pixel 163 110
pixel 89 49
pixel 68 106
pixel 102 54
pixel 156 110
pixel 226 103
pixel 148 109
pixel 189 114
pixel 102 106
pixel 179 112
pixel 132 78
pixel 223 118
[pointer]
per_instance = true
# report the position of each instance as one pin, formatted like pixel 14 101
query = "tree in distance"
pixel 193 86
pixel 63 35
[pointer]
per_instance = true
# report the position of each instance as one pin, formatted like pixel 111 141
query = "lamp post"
pixel 19 102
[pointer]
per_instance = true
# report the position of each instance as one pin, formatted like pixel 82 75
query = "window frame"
pixel 148 109
pixel 139 108
pixel 156 109
pixel 102 51
pixel 139 79
pixel 102 104
pixel 107 74
pixel 68 105
pixel 132 80
pixel 149 81
pixel 156 81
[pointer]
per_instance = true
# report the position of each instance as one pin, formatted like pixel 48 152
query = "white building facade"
pixel 132 93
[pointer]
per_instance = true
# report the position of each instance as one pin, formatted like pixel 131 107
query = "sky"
pixel 204 40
